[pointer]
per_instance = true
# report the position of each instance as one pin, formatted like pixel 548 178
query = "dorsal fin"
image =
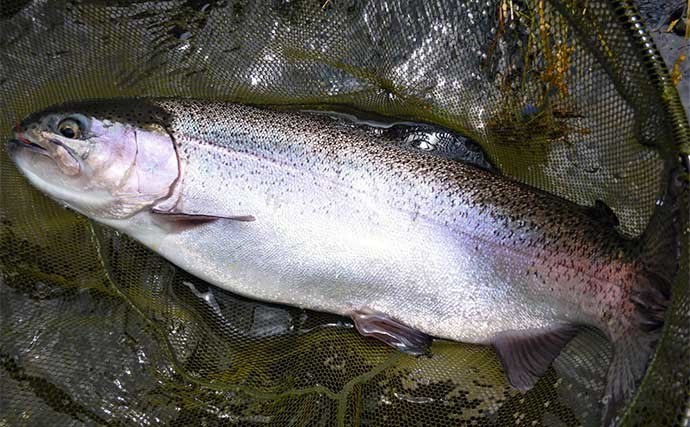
pixel 526 355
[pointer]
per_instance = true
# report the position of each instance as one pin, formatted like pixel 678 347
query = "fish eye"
pixel 70 128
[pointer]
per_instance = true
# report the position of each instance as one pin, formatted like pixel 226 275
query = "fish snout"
pixel 19 142
pixel 12 147
pixel 31 139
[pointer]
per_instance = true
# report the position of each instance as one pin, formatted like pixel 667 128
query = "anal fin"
pixel 391 332
pixel 526 355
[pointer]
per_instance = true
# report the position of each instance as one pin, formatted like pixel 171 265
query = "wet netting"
pixel 568 96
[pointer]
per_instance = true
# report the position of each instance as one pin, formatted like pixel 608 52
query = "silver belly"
pixel 408 268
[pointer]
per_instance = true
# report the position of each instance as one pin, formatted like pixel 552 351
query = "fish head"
pixel 104 159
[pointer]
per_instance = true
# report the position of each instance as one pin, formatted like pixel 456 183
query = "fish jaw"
pixel 44 174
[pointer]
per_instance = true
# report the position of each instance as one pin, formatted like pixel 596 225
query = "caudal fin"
pixel 659 257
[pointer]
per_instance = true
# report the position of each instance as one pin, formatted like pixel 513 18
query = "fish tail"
pixel 635 342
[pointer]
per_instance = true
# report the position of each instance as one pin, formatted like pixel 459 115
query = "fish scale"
pixel 423 186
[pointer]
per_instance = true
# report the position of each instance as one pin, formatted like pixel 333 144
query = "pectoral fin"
pixel 199 218
pixel 391 332
pixel 526 355
pixel 191 209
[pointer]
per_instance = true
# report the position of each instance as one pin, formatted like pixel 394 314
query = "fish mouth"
pixel 26 139
pixel 30 141
pixel 14 144
pixel 39 143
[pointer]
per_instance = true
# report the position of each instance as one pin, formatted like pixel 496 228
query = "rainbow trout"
pixel 294 208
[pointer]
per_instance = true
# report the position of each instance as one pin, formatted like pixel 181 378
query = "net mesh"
pixel 568 96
